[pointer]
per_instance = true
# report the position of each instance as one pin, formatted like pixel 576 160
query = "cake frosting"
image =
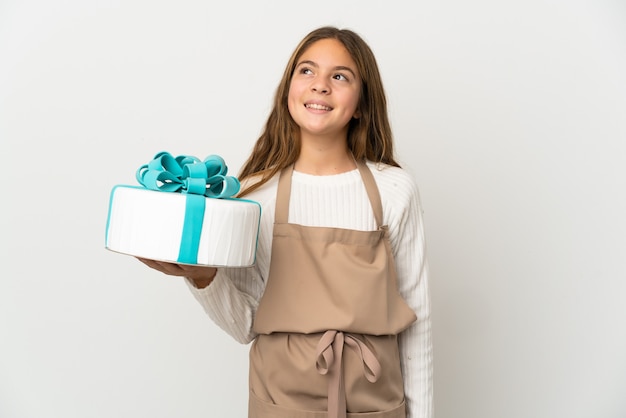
pixel 149 224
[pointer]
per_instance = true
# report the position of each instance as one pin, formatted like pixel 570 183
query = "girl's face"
pixel 324 90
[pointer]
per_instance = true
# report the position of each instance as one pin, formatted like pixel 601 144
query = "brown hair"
pixel 369 136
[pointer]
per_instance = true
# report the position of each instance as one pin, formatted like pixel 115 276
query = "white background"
pixel 510 114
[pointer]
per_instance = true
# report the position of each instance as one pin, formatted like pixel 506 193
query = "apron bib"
pixel 328 321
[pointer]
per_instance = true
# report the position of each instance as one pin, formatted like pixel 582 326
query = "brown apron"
pixel 328 289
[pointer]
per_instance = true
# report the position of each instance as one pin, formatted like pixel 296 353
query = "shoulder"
pixel 399 193
pixel 394 181
pixel 266 194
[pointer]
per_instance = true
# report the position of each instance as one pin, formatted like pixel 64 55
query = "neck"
pixel 324 158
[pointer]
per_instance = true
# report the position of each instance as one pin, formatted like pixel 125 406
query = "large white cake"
pixel 150 224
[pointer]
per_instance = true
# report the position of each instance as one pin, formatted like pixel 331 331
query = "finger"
pixel 171 269
pixel 148 262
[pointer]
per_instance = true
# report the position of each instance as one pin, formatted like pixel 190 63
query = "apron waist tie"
pixel 329 361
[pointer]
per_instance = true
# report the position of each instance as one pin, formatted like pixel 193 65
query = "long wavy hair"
pixel 369 136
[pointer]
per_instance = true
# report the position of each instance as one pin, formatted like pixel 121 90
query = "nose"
pixel 320 86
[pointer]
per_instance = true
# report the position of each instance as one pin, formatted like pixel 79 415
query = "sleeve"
pixel 232 299
pixel 415 343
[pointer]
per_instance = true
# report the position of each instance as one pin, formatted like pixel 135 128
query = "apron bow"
pixel 329 361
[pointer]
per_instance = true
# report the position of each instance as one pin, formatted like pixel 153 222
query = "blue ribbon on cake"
pixel 198 180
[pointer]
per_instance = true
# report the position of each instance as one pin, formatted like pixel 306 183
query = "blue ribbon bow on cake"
pixel 198 180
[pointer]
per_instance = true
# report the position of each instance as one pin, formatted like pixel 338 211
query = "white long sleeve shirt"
pixel 340 201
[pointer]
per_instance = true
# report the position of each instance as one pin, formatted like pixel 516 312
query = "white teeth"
pixel 317 106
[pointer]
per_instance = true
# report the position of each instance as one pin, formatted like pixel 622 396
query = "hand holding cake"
pixel 201 276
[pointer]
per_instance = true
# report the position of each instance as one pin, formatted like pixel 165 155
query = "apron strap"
pixel 284 193
pixel 329 361
pixel 372 192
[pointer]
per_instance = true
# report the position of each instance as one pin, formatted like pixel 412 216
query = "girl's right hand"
pixel 201 276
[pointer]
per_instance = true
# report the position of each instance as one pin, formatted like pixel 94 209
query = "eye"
pixel 305 70
pixel 340 77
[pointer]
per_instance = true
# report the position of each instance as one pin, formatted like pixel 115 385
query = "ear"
pixel 357 114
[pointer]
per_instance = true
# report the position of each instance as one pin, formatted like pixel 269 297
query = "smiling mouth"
pixel 317 106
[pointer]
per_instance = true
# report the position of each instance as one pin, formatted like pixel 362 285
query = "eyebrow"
pixel 337 68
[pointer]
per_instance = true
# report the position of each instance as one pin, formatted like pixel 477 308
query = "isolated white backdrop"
pixel 511 115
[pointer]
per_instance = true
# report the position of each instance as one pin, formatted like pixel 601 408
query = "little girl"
pixel 337 305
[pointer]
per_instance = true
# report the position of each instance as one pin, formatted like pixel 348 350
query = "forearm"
pixel 417 368
pixel 230 301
